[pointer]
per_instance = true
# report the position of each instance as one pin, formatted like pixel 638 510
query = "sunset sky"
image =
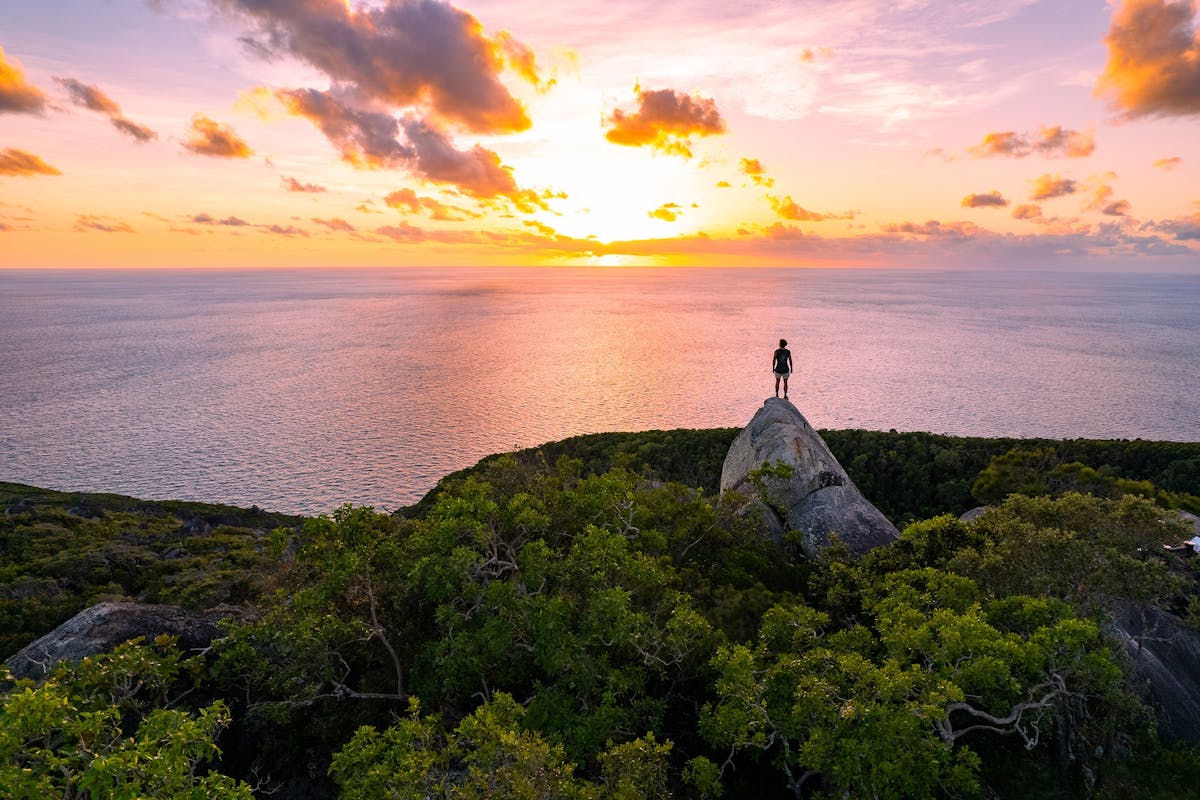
pixel 1004 133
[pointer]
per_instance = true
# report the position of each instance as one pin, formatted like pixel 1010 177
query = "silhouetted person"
pixel 782 366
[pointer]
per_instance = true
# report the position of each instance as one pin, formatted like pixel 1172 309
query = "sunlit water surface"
pixel 302 390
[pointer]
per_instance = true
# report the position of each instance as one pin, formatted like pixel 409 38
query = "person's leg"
pixel 777 385
pixel 785 379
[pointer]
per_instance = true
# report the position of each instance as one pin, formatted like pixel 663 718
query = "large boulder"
pixel 818 500
pixel 1165 655
pixel 102 627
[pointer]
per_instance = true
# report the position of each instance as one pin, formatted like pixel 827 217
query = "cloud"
pixel 367 139
pixel 477 171
pixel 88 96
pixel 1046 187
pixel 409 234
pixel 1052 141
pixel 17 96
pixel 229 222
pixel 19 162
pixel 335 224
pixel 402 53
pixel 786 208
pixel 132 129
pixel 667 212
pixel 407 199
pixel 371 139
pixel 1027 211
pixel 1168 164
pixel 665 120
pixel 540 227
pixel 992 199
pixel 1056 141
pixel 210 138
pixel 757 172
pixel 90 222
pixel 92 98
pixel 935 229
pixel 1153 59
pixel 1102 198
pixel 293 185
pixel 282 230
pixel 1185 229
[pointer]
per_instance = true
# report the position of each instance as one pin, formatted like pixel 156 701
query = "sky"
pixel 1006 134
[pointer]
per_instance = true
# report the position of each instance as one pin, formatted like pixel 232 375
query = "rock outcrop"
pixel 1165 655
pixel 818 499
pixel 102 627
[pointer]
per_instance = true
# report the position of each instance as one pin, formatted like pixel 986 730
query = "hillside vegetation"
pixel 589 619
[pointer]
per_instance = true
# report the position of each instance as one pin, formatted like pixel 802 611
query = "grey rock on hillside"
pixel 102 627
pixel 819 499
pixel 1165 655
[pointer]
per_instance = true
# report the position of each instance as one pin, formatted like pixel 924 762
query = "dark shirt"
pixel 783 360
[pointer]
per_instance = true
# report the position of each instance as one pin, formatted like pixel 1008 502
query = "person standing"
pixel 781 364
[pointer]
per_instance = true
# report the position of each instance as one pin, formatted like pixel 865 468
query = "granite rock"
pixel 818 500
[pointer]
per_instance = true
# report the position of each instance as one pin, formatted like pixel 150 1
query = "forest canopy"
pixel 591 619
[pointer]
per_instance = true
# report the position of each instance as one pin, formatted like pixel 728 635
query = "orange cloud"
pixel 667 212
pixel 19 162
pixel 210 138
pixel 90 222
pixel 293 185
pixel 665 120
pixel 521 60
pixel 92 98
pixel 1052 141
pixel 757 172
pixel 543 229
pixel 992 199
pixel 1027 211
pixel 335 224
pixel 1102 198
pixel 1168 164
pixel 1153 59
pixel 786 208
pixel 1049 186
pixel 407 199
pixel 402 54
pixel 17 96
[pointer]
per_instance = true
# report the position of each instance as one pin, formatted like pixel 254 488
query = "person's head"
pixel 783 342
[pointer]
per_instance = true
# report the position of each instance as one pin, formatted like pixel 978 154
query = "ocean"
pixel 301 390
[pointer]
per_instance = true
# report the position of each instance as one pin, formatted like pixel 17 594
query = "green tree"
pixel 889 708
pixel 488 755
pixel 97 729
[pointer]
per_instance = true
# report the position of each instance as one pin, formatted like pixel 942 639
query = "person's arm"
pixel 790 362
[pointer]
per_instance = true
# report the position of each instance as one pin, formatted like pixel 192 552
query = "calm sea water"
pixel 302 390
